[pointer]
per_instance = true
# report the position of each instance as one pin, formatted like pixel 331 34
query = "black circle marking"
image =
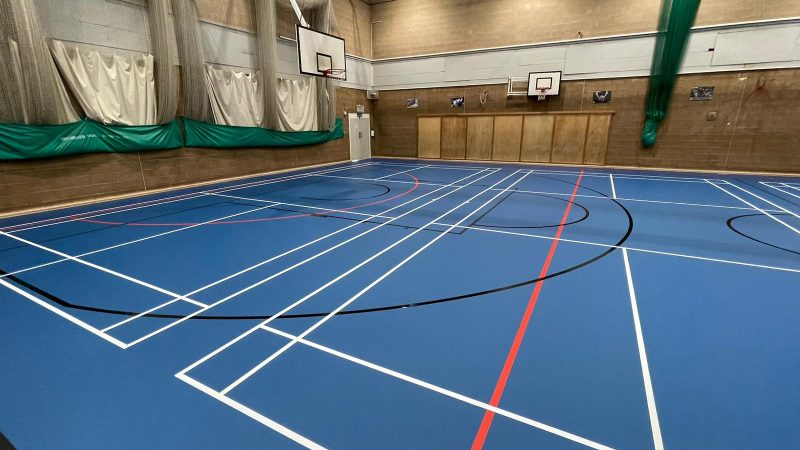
pixel 585 263
pixel 745 235
pixel 387 189
pixel 512 227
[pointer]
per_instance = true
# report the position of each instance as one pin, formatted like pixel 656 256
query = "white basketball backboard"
pixel 544 83
pixel 319 52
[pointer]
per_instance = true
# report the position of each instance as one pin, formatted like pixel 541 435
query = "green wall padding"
pixel 20 141
pixel 674 25
pixel 202 134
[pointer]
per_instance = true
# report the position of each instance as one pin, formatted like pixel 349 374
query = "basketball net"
pixel 542 94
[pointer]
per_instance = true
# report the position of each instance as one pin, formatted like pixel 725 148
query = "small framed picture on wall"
pixel 456 102
pixel 412 103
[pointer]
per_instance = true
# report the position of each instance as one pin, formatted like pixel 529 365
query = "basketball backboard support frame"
pixel 321 54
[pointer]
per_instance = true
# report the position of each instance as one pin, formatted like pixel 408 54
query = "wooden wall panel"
pixel 537 138
pixel 597 140
pixel 454 137
pixel 507 138
pixel 569 138
pixel 429 137
pixel 480 134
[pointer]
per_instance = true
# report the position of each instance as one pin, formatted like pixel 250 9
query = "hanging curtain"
pixel 236 98
pixel 194 102
pixel 162 37
pixel 31 89
pixel 265 58
pixel 297 105
pixel 112 89
pixel 674 25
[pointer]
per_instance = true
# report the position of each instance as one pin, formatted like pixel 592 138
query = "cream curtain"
pixel 297 105
pixel 111 89
pixel 236 98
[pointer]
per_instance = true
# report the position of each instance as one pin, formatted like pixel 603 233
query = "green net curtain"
pixel 674 24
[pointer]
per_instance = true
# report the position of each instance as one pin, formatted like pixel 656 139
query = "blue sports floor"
pixel 400 304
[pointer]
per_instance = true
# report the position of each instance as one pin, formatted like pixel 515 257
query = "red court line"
pixel 486 423
pixel 265 219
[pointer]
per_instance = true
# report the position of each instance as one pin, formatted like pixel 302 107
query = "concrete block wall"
pixel 754 129
pixel 414 27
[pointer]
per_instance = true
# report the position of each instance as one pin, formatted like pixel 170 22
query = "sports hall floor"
pixel 402 304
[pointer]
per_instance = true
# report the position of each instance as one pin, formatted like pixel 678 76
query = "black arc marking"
pixel 513 227
pixel 387 189
pixel 585 263
pixel 745 235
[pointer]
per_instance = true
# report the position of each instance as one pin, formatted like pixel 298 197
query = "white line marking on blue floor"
pixel 648 384
pixel 440 390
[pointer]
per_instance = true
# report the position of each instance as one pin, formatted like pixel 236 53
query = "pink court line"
pixel 488 416
pixel 414 186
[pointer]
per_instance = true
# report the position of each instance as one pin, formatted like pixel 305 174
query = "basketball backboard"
pixel 320 54
pixel 544 83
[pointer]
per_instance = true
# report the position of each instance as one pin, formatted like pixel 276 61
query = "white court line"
pixel 404 171
pixel 648 384
pixel 166 200
pixel 439 389
pixel 95 266
pixel 763 199
pixel 781 190
pixel 429 183
pixel 613 189
pixel 754 206
pixel 302 440
pixel 61 313
pixel 437 166
pixel 283 311
pixel 309 259
pixel 632 249
pixel 298 205
pixel 597 174
pixel 355 297
pixel 123 244
pixel 597 244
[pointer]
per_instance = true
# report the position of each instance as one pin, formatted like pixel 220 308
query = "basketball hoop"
pixel 542 94
pixel 336 74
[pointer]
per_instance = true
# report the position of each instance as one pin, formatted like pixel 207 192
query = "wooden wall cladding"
pixel 480 136
pixel 569 139
pixel 454 137
pixel 429 141
pixel 507 138
pixel 561 137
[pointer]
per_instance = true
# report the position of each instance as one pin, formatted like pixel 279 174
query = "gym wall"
pixel 121 26
pixel 415 27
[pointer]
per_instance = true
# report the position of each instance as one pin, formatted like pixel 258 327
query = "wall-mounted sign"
pixel 702 93
pixel 456 102
pixel 601 97
pixel 412 103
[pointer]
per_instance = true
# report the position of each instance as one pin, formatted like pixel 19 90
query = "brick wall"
pixel 34 183
pixel 413 27
pixel 755 129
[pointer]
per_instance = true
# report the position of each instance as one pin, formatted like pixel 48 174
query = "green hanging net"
pixel 674 24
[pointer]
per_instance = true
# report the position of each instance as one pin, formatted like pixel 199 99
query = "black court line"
pixel 556 225
pixel 743 234
pixel 407 305
pixel 387 189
